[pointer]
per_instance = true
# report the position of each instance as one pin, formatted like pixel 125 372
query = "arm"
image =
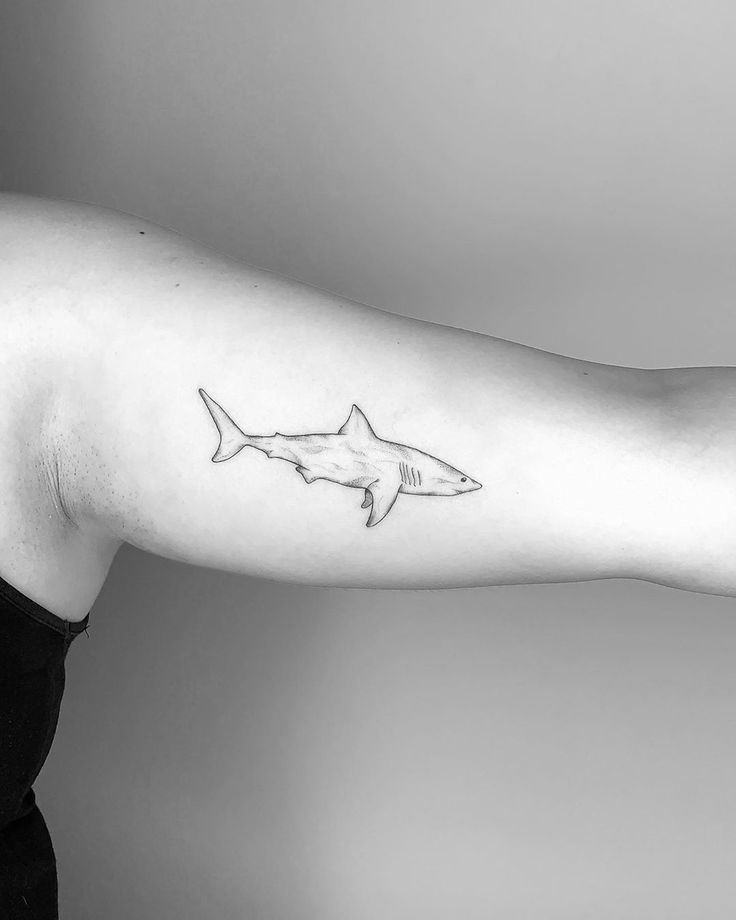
pixel 587 470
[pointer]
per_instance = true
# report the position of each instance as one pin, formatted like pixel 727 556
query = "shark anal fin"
pixel 368 500
pixel 306 474
pixel 383 494
pixel 357 425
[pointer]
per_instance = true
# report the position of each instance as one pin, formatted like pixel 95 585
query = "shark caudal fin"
pixel 232 439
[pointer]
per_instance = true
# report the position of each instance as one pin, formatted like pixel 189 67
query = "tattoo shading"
pixel 354 457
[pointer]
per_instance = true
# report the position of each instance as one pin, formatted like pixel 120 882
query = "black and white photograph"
pixel 367 460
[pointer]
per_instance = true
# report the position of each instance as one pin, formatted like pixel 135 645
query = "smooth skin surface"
pixel 111 325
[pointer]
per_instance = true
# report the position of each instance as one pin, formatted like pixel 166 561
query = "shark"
pixel 354 457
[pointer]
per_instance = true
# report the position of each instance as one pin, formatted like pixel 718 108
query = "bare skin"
pixel 111 325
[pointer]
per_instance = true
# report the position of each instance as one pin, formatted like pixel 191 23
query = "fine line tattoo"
pixel 354 457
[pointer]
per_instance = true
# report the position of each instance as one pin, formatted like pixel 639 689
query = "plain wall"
pixel 556 173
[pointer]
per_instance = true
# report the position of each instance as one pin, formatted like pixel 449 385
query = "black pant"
pixel 33 647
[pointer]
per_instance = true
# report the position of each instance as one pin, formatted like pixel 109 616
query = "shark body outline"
pixel 354 457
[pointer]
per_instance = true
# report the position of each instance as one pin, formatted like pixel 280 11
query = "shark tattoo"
pixel 354 457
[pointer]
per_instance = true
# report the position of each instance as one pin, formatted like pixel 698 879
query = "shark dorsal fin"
pixel 357 425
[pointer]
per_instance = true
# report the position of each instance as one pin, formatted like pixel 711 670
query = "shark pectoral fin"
pixel 306 474
pixel 368 500
pixel 383 494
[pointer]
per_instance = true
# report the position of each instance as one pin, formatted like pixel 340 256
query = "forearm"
pixel 692 542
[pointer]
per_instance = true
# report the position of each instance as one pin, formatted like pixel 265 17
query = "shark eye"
pixel 464 479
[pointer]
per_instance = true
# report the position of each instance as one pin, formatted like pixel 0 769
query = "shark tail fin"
pixel 232 439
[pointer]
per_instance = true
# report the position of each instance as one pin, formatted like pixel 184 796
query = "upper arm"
pixel 565 450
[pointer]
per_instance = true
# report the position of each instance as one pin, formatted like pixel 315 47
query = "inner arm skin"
pixel 588 470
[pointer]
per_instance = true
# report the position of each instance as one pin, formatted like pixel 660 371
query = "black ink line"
pixel 354 457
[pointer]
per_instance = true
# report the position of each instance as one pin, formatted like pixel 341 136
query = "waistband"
pixel 39 613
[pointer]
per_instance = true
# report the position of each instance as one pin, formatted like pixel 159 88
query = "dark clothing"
pixel 33 646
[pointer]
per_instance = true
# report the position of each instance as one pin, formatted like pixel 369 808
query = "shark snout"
pixel 469 485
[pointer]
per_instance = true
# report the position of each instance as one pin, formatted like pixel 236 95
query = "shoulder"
pixel 43 550
pixel 95 305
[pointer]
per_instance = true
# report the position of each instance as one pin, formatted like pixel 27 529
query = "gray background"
pixel 556 173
